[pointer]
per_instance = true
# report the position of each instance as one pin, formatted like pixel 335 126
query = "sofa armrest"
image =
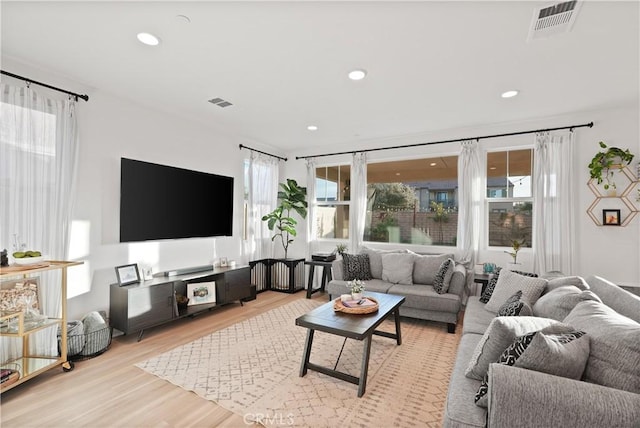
pixel 529 398
pixel 336 269
pixel 458 280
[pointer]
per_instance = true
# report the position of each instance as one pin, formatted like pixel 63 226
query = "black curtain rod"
pixel 590 124
pixel 84 97
pixel 242 146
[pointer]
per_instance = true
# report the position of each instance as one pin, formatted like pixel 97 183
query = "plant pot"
pixel 356 296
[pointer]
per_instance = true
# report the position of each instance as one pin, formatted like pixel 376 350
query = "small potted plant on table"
pixel 357 288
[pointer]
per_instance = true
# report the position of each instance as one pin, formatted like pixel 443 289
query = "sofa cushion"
pixel 338 287
pixel 617 298
pixel 375 259
pixel 443 276
pixel 555 350
pixel 560 301
pixel 501 333
pixel 356 266
pixel 425 297
pixel 614 359
pixel 515 306
pixel 397 268
pixel 509 283
pixel 425 267
pixel 576 281
pixel 476 317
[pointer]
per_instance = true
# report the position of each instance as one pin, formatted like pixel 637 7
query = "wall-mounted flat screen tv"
pixel 165 202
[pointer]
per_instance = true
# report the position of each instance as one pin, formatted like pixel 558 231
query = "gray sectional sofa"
pixel 410 275
pixel 606 394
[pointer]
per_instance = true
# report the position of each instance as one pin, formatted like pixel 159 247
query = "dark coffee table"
pixel 353 326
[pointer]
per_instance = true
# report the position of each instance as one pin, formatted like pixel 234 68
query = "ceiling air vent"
pixel 220 102
pixel 554 19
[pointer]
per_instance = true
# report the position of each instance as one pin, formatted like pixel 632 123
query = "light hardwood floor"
pixel 109 391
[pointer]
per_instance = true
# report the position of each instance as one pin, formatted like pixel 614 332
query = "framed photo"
pixel 128 274
pixel 224 262
pixel 611 217
pixel 201 292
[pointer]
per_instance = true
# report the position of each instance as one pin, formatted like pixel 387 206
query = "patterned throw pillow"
pixel 491 285
pixel 547 344
pixel 515 306
pixel 356 266
pixel 443 277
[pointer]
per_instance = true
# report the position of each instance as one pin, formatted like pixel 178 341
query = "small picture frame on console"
pixel 611 217
pixel 224 262
pixel 128 274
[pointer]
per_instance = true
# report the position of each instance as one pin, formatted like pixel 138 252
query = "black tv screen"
pixel 165 202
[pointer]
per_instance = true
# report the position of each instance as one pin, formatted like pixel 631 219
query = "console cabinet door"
pixel 237 284
pixel 149 306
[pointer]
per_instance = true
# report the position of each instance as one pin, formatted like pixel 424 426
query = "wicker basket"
pixel 339 307
pixel 88 345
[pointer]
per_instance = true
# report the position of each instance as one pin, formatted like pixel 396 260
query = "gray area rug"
pixel 252 368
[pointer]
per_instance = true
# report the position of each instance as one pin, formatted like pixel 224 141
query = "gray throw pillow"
pixel 614 359
pixel 515 306
pixel 97 333
pixel 576 281
pixel 356 266
pixel 501 333
pixel 443 277
pixel 557 303
pixel 375 259
pixel 509 283
pixel 425 267
pixel 556 350
pixel 397 268
pixel 617 298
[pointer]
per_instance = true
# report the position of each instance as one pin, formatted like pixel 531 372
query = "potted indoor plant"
pixel 604 164
pixel 516 245
pixel 357 288
pixel 292 198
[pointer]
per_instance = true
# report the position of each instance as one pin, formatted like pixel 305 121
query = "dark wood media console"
pixel 135 307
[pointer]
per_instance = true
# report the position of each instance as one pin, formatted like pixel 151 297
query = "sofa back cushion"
pixel 614 359
pixel 617 298
pixel 425 267
pixel 557 303
pixel 561 281
pixel 509 283
pixel 397 268
pixel 375 259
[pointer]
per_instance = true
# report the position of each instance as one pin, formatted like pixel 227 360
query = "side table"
pixel 326 275
pixel 482 278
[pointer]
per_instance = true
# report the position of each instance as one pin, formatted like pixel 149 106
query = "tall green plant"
pixel 292 198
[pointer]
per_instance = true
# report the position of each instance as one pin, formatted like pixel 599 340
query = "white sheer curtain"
pixel 263 198
pixel 311 209
pixel 39 146
pixel 470 199
pixel 358 210
pixel 553 196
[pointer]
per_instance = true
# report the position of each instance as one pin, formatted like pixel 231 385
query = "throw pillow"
pixel 616 297
pixel 94 325
pixel 375 259
pixel 576 281
pixel 397 268
pixel 515 306
pixel 443 277
pixel 425 267
pixel 510 282
pixel 614 359
pixel 549 351
pixel 356 266
pixel 559 302
pixel 501 333
pixel 491 285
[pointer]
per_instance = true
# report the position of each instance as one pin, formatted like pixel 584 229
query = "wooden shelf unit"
pixel 29 365
pixel 624 197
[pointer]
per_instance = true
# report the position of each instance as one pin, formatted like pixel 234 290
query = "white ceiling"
pixel 431 65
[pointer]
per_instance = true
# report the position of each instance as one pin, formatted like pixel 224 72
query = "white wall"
pixel 611 252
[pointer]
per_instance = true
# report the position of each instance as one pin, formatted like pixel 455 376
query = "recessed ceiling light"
pixel 312 128
pixel 357 74
pixel 433 164
pixel 397 173
pixel 148 39
pixel 509 94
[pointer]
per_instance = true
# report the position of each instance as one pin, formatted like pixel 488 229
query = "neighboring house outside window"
pixel 509 197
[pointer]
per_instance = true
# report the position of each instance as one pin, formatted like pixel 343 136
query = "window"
pixel 333 198
pixel 509 197
pixel 413 201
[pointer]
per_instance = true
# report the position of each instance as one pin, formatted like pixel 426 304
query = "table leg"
pixel 325 277
pixel 365 366
pixel 398 332
pixel 310 284
pixel 307 352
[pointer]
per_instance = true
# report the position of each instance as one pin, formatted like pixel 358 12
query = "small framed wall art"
pixel 128 274
pixel 201 292
pixel 611 217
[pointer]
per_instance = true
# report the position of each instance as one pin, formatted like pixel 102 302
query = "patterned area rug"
pixel 252 368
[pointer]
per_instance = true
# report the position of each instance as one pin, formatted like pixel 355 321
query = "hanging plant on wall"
pixel 604 164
